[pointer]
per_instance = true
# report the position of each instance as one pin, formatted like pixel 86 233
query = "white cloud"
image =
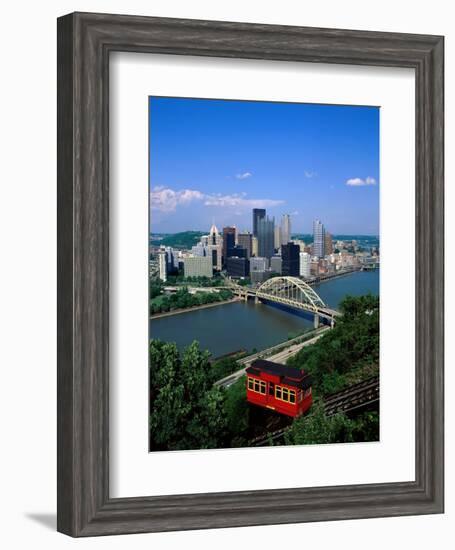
pixel 309 174
pixel 164 199
pixel 357 182
pixel 239 201
pixel 243 175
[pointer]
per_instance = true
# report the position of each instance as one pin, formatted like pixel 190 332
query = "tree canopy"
pixel 317 428
pixel 185 409
pixel 183 299
pixel 350 348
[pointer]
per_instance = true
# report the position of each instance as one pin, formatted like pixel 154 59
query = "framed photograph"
pixel 250 274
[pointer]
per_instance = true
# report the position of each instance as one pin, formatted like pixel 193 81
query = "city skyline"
pixel 307 161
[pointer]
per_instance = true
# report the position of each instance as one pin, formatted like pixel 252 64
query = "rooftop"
pixel 288 375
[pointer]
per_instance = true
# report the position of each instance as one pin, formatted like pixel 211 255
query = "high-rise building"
pixel 215 247
pixel 162 263
pixel 276 264
pixel 236 251
pixel 328 244
pixel 318 239
pixel 290 254
pixel 277 240
pixel 285 229
pixel 258 214
pixel 171 260
pixel 258 264
pixel 210 246
pixel 198 266
pixel 228 240
pixel 314 267
pixel 266 237
pixel 237 267
pixel 254 246
pixel 305 265
pixel 245 239
pixel 198 250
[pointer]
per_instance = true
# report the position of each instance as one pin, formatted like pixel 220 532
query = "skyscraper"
pixel 215 247
pixel 266 237
pixel 237 267
pixel 305 265
pixel 290 254
pixel 228 240
pixel 258 214
pixel 254 246
pixel 318 239
pixel 171 260
pixel 328 244
pixel 236 251
pixel 162 263
pixel 277 242
pixel 246 240
pixel 285 229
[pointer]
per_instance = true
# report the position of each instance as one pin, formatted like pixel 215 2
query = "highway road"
pixel 279 357
pixel 284 355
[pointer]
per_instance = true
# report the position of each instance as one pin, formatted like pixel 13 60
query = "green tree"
pixel 223 367
pixel 366 427
pixel 317 428
pixel 186 411
pixel 236 411
pixel 155 288
pixel 351 345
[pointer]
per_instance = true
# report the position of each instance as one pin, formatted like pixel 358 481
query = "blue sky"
pixel 215 160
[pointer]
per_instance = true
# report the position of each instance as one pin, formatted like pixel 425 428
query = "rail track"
pixel 359 395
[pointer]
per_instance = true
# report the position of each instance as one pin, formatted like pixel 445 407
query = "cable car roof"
pixel 288 375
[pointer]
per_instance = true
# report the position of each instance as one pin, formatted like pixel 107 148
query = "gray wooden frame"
pixel 84 44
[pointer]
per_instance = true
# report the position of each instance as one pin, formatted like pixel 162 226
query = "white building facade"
pixel 305 265
pixel 162 263
pixel 198 266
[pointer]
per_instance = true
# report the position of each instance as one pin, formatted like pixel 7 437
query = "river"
pixel 240 325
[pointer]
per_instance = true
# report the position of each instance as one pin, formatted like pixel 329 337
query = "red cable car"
pixel 284 389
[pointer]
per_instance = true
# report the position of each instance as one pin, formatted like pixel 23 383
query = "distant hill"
pixel 186 239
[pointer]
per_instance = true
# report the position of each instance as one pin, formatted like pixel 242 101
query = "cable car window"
pixel 250 383
pixel 292 397
pixel 278 392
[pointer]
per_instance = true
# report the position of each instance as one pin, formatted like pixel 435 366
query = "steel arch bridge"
pixel 294 292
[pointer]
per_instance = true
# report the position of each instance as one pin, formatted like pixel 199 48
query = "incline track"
pixel 359 395
pixel 349 399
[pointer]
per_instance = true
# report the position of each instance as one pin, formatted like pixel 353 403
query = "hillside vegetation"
pixel 185 239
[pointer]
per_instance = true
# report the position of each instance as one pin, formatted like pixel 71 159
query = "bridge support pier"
pixel 316 320
pixel 256 300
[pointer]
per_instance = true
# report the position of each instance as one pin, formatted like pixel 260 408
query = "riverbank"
pixel 246 325
pixel 194 308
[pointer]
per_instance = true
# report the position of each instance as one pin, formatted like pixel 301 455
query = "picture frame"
pixel 85 507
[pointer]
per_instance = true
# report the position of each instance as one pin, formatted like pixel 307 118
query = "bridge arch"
pixel 286 288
